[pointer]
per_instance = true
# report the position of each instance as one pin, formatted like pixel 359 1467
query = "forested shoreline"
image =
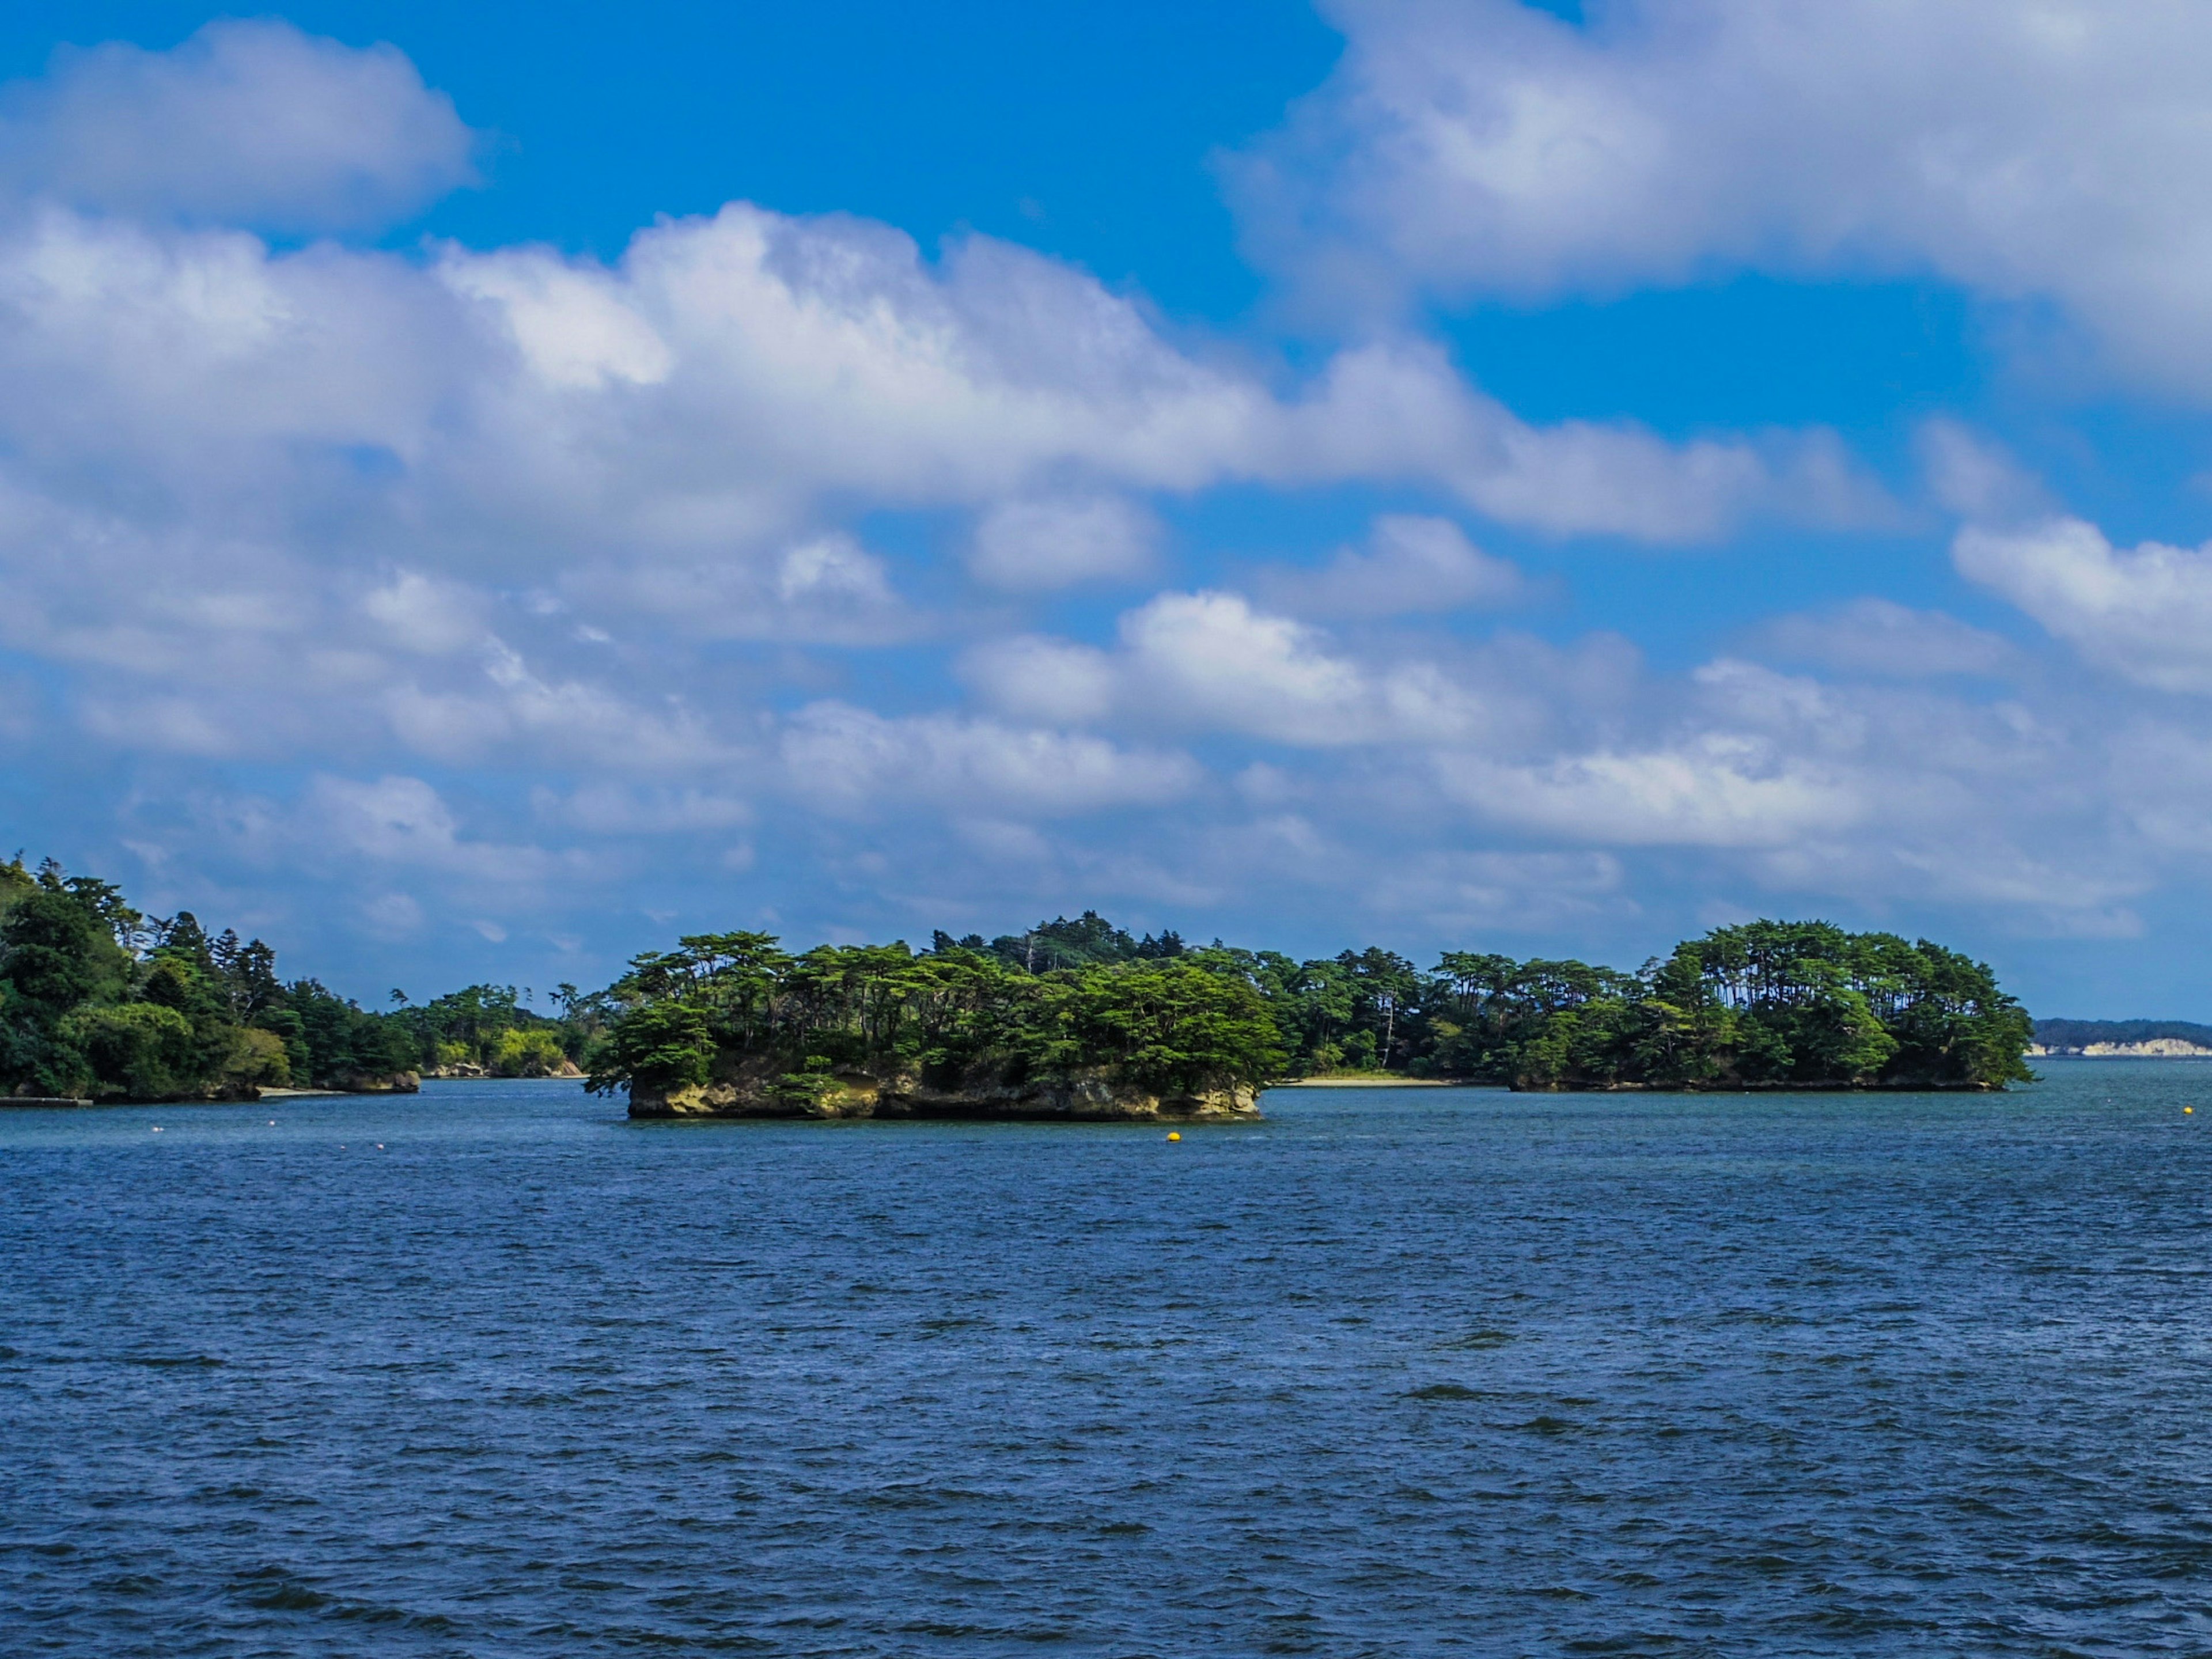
pixel 1763 1006
pixel 99 1002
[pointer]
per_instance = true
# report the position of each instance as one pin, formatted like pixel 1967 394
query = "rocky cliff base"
pixel 1082 1099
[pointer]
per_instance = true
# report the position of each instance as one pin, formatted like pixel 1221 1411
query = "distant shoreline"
pixel 2152 1048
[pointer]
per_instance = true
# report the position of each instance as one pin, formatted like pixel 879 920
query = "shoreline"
pixel 1374 1083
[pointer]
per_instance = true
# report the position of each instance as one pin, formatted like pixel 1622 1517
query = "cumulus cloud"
pixel 1397 410
pixel 604 808
pixel 1478 891
pixel 853 761
pixel 424 614
pixel 1975 478
pixel 405 822
pixel 1412 564
pixel 1213 661
pixel 1879 637
pixel 246 122
pixel 1043 678
pixel 1721 789
pixel 2145 614
pixel 1038 545
pixel 2052 152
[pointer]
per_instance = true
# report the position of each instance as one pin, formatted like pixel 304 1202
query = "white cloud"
pixel 1718 789
pixel 404 822
pixel 245 123
pixel 2145 615
pixel 393 915
pixel 1211 657
pixel 603 808
pixel 2047 152
pixel 1048 543
pixel 424 614
pixel 852 760
pixel 1468 891
pixel 1413 564
pixel 581 722
pixel 1213 661
pixel 1397 410
pixel 1972 476
pixel 1040 678
pixel 1878 636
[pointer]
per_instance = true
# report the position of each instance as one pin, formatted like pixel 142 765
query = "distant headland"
pixel 2123 1039
pixel 1072 1020
pixel 101 1003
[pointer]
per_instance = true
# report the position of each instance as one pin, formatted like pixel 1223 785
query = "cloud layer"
pixel 785 570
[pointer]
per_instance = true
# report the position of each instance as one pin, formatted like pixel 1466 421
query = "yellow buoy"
pixel 1174 1134
pixel 2188 1111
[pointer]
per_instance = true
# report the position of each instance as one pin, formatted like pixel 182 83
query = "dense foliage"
pixel 1767 1005
pixel 98 1000
pixel 484 1029
pixel 954 1016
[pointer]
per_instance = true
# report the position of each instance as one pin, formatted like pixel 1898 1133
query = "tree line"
pixel 1766 1005
pixel 99 1000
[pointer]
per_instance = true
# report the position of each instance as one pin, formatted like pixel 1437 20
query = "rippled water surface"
pixel 493 1372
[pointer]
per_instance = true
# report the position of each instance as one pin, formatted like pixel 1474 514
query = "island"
pixel 1079 1020
pixel 731 1025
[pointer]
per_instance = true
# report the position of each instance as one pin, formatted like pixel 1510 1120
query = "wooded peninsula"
pixel 1074 1018
pixel 98 1002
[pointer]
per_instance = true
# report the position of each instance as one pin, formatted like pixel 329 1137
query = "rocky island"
pixel 1079 1020
pixel 1097 1095
pixel 732 1025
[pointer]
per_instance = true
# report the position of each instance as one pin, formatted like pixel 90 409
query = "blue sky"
pixel 484 489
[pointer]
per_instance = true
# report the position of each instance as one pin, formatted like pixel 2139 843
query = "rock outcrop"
pixel 1084 1097
pixel 377 1083
pixel 469 1068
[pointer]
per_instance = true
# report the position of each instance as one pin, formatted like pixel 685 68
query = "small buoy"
pixel 2188 1111
pixel 157 1128
pixel 1174 1134
pixel 379 1146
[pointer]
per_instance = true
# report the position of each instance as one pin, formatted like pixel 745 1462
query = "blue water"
pixel 1393 1373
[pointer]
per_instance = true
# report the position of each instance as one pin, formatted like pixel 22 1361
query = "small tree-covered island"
pixel 1079 1019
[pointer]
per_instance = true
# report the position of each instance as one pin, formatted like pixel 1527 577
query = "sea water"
pixel 492 1371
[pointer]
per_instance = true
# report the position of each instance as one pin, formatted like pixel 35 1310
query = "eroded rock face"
pixel 1084 1099
pixel 377 1083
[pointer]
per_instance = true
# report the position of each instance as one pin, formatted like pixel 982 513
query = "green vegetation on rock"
pixel 737 1009
pixel 1768 1004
